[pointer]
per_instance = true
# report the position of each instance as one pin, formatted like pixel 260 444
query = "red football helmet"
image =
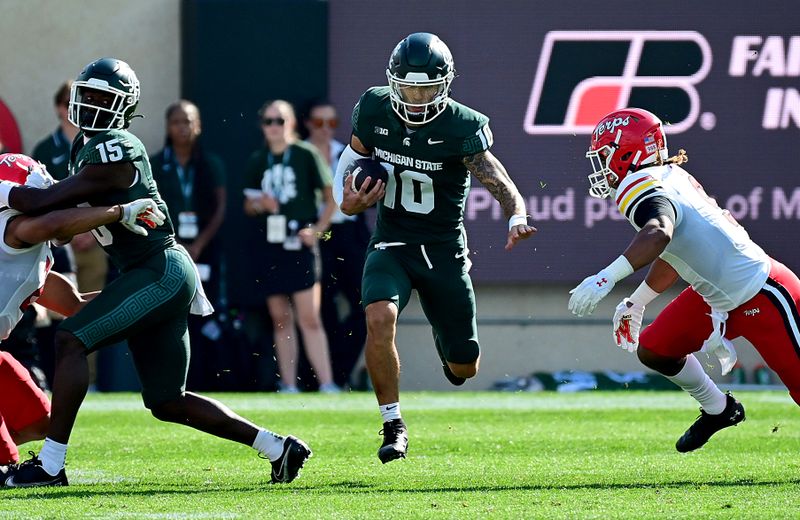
pixel 622 142
pixel 15 167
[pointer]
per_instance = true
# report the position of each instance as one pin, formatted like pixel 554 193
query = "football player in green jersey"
pixel 148 304
pixel 430 144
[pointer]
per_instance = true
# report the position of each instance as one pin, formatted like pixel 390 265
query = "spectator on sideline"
pixel 283 181
pixel 342 252
pixel 192 182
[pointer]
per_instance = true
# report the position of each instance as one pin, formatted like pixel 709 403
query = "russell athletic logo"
pixel 584 75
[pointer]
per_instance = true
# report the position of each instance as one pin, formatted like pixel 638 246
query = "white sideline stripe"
pixel 620 400
pixel 171 516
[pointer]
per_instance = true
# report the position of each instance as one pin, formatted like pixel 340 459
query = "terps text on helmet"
pixel 611 125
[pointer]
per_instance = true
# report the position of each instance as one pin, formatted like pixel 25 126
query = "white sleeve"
pixel 348 155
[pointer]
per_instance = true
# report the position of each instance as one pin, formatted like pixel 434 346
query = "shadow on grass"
pixel 135 489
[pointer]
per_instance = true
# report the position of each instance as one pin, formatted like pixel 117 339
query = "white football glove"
pixel 40 178
pixel 588 294
pixel 145 210
pixel 627 324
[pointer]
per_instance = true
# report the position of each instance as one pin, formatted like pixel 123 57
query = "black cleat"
pixel 395 441
pixel 454 379
pixel 31 474
pixel 288 465
pixel 707 425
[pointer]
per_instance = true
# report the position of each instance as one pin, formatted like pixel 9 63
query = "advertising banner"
pixel 724 81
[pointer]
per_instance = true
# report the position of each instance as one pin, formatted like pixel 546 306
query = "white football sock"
pixel 269 444
pixel 696 382
pixel 390 411
pixel 53 456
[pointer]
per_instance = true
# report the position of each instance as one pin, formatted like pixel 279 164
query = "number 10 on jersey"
pixel 416 190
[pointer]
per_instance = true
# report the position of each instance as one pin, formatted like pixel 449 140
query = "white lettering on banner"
pixel 775 57
pixel 480 200
pixel 742 207
pixel 596 210
pixel 540 207
pixel 783 209
pixel 563 207
pixel 781 106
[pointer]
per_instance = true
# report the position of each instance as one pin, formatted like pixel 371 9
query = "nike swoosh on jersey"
pixel 431 141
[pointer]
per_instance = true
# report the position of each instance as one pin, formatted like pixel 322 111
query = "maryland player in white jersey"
pixel 25 262
pixel 735 288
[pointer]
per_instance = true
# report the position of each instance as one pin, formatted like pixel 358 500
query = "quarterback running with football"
pixel 148 304
pixel 735 288
pixel 26 259
pixel 430 144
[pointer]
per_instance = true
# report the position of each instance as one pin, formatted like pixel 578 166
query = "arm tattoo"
pixel 488 169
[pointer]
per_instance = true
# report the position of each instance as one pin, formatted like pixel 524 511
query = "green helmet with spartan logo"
pixel 104 96
pixel 420 60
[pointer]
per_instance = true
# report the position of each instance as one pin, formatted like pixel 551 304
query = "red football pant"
pixel 22 404
pixel 769 320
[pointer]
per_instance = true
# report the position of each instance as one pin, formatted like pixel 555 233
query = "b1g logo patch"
pixel 584 75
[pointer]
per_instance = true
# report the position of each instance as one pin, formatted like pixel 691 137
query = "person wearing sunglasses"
pixel 342 256
pixel 284 180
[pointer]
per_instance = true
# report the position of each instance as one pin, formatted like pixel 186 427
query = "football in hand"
pixel 363 168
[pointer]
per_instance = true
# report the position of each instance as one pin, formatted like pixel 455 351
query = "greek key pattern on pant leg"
pixel 135 306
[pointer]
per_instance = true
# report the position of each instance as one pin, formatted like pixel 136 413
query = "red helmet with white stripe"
pixel 623 141
pixel 16 167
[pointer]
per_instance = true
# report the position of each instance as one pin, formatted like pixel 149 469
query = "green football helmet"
pixel 420 60
pixel 104 96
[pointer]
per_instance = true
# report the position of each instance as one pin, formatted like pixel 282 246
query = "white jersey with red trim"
pixel 22 276
pixel 708 248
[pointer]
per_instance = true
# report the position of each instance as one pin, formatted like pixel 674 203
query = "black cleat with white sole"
pixel 286 468
pixel 31 474
pixel 395 441
pixel 707 425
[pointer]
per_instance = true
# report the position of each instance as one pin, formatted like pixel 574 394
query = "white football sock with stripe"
pixel 390 411
pixel 269 444
pixel 694 380
pixel 53 456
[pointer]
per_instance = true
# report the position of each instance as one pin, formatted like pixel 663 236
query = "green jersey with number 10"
pixel 428 183
pixel 124 247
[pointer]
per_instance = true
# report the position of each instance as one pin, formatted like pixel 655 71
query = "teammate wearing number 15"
pixel 148 304
pixel 430 144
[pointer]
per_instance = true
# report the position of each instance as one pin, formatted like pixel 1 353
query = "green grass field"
pixel 471 455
